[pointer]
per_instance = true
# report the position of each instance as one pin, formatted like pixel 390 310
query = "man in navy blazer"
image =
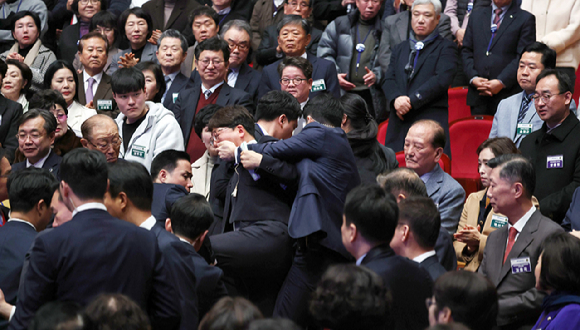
pixel 489 63
pixel 328 172
pixel 30 192
pixel 171 52
pixel 116 256
pixel 293 37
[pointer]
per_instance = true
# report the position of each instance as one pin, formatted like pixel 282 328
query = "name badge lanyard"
pixel 17 9
pixel 226 15
pixel 360 46
pixel 419 45
pixel 493 31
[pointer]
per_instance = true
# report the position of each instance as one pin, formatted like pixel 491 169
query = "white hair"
pixel 436 4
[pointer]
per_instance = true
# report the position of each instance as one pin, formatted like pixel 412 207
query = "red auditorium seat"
pixel 444 161
pixel 382 135
pixel 458 107
pixel 577 88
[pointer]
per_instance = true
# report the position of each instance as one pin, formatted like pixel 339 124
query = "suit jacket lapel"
pixel 149 53
pixel 524 239
pixel 422 57
pixel 177 10
pixel 190 107
pixel 103 88
pixel 159 12
pixel 224 96
pixel 176 86
pixel 515 112
pixel 403 25
pixel 508 18
pixel 435 181
pixel 243 78
pixel 485 24
pixel 81 89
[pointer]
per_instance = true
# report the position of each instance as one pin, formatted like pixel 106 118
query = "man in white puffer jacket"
pixel 146 128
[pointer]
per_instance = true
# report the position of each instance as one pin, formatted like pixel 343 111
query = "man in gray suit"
pixel 396 30
pixel 516 116
pixel 423 148
pixel 512 252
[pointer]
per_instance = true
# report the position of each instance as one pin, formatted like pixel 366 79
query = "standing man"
pixel 204 25
pixel 170 14
pixel 512 252
pixel 171 52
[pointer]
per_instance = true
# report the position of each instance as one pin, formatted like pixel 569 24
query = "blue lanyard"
pixel 17 9
pixel 360 46
pixel 493 31
pixel 226 15
pixel 419 45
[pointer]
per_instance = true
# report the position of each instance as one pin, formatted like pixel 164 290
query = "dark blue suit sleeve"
pixel 284 172
pixel 331 79
pixel 307 144
pixel 266 53
pixel 163 309
pixel 246 102
pixel 527 36
pixel 390 86
pixel 265 85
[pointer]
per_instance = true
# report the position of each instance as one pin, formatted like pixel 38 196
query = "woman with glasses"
pixel 17 82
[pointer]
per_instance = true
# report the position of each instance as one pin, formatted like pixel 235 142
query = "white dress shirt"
pixel 39 163
pixel 420 258
pixel 89 206
pixel 520 224
pixel 149 223
pixel 211 89
pixel 98 77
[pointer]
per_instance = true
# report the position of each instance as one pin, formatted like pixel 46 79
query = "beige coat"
pixel 558 26
pixel 201 170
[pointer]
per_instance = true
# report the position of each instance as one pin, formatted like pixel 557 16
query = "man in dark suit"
pixel 212 56
pixel 416 233
pixel 171 174
pixel 171 52
pixel 178 19
pixel 512 252
pixel 35 138
pixel 293 38
pixel 129 198
pixel 116 256
pixel 30 193
pixel 369 222
pixel 494 40
pixel 328 172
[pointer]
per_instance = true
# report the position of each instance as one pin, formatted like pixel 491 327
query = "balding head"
pixel 424 146
pixel 101 133
pixel 403 183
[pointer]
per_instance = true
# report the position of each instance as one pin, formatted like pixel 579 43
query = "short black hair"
pixel 46 99
pixel 91 35
pixel 115 311
pixel 49 120
pixel 325 109
pixel 564 82
pixel 560 268
pixel 172 33
pixel 140 13
pixel 230 313
pixel 75 6
pixel 202 118
pixel 159 78
pixel 133 179
pixel 167 160
pixel 3 68
pixel 276 103
pixel 294 20
pixel 127 80
pixel 422 217
pixel 191 215
pixel 516 168
pixel 403 180
pixel 301 63
pixel 204 11
pixel 214 44
pixel 85 171
pixel 232 116
pixel 548 54
pixel 471 297
pixel 274 324
pixel 29 186
pixel 373 211
pixel 53 68
pixel 19 15
pixel 57 315
pixel 24 71
pixel 108 20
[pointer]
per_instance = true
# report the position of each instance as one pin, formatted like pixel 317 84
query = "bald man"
pixel 100 132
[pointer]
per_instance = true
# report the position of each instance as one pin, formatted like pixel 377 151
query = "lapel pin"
pixel 511 16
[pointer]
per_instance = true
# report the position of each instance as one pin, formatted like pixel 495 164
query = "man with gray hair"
pixel 100 132
pixel 171 52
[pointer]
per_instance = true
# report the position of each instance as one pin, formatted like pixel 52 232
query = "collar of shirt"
pixel 225 11
pixel 184 241
pixel 420 258
pixel 278 3
pixel 233 76
pixel 20 220
pixel 172 75
pixel 425 177
pixel 89 206
pixel 264 132
pixel 212 88
pixel 304 56
pixel 359 260
pixel 39 163
pixel 503 11
pixel 520 224
pixel 98 77
pixel 303 104
pixel 149 223
pixel 550 129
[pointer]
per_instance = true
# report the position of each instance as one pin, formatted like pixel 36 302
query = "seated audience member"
pixel 491 65
pixel 230 313
pixel 171 174
pixel 28 48
pixel 17 82
pixel 478 219
pixel 101 133
pixel 509 258
pixel 464 297
pixel 351 297
pixel 419 75
pixel 129 198
pixel 293 37
pixel 212 58
pixel 416 234
pixel 423 149
pixel 11 8
pixel 554 149
pixel 136 27
pixel 61 77
pixel 273 324
pixel 202 168
pixel 229 10
pixel 166 15
pixel 405 183
pixel 558 274
pixel 264 15
pixel 171 52
pixel 369 222
pixel 115 311
pixel 268 48
pixel 70 35
pixel 372 158
pixel 146 128
pixel 154 81
pixel 204 25
pixel 355 58
pixel 190 219
pixel 36 134
pixel 11 113
pixel 517 124
pixel 30 192
pixel 59 315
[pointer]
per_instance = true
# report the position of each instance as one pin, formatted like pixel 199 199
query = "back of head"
pixel 548 54
pixel 191 216
pixel 560 268
pixel 29 186
pixel 516 168
pixel 403 181
pixel 58 315
pixel 471 297
pixel 422 217
pixel 98 120
pixel 127 80
pixel 115 312
pixel 167 160
pixel 355 108
pixel 373 211
pixel 230 314
pixel 231 116
pixel 350 297
pixel 325 109
pixel 203 116
pixel 276 103
pixel 273 324
pixel 133 179
pixel 85 171
pixel 499 146
pixel 47 99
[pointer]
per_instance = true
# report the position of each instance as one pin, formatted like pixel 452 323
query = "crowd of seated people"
pixel 285 164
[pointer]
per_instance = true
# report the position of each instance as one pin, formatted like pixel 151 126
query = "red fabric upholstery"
pixel 458 107
pixel 382 135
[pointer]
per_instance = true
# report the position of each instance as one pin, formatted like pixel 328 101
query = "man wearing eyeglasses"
pixel 101 133
pixel 554 149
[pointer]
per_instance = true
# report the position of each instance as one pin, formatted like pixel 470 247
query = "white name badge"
pixel 175 95
pixel 497 221
pixel 521 265
pixel 524 129
pixel 556 161
pixel 318 85
pixel 104 105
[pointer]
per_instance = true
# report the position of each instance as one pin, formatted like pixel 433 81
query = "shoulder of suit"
pixel 449 180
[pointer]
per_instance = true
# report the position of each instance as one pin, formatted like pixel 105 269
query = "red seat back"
pixel 458 107
pixel 465 136
pixel 382 135
pixel 444 161
pixel 577 88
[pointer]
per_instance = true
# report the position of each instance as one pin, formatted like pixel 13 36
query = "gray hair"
pixel 171 33
pixel 436 4
pixel 297 20
pixel 238 24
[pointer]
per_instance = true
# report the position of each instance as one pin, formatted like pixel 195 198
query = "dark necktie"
pixel 524 108
pixel 497 18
